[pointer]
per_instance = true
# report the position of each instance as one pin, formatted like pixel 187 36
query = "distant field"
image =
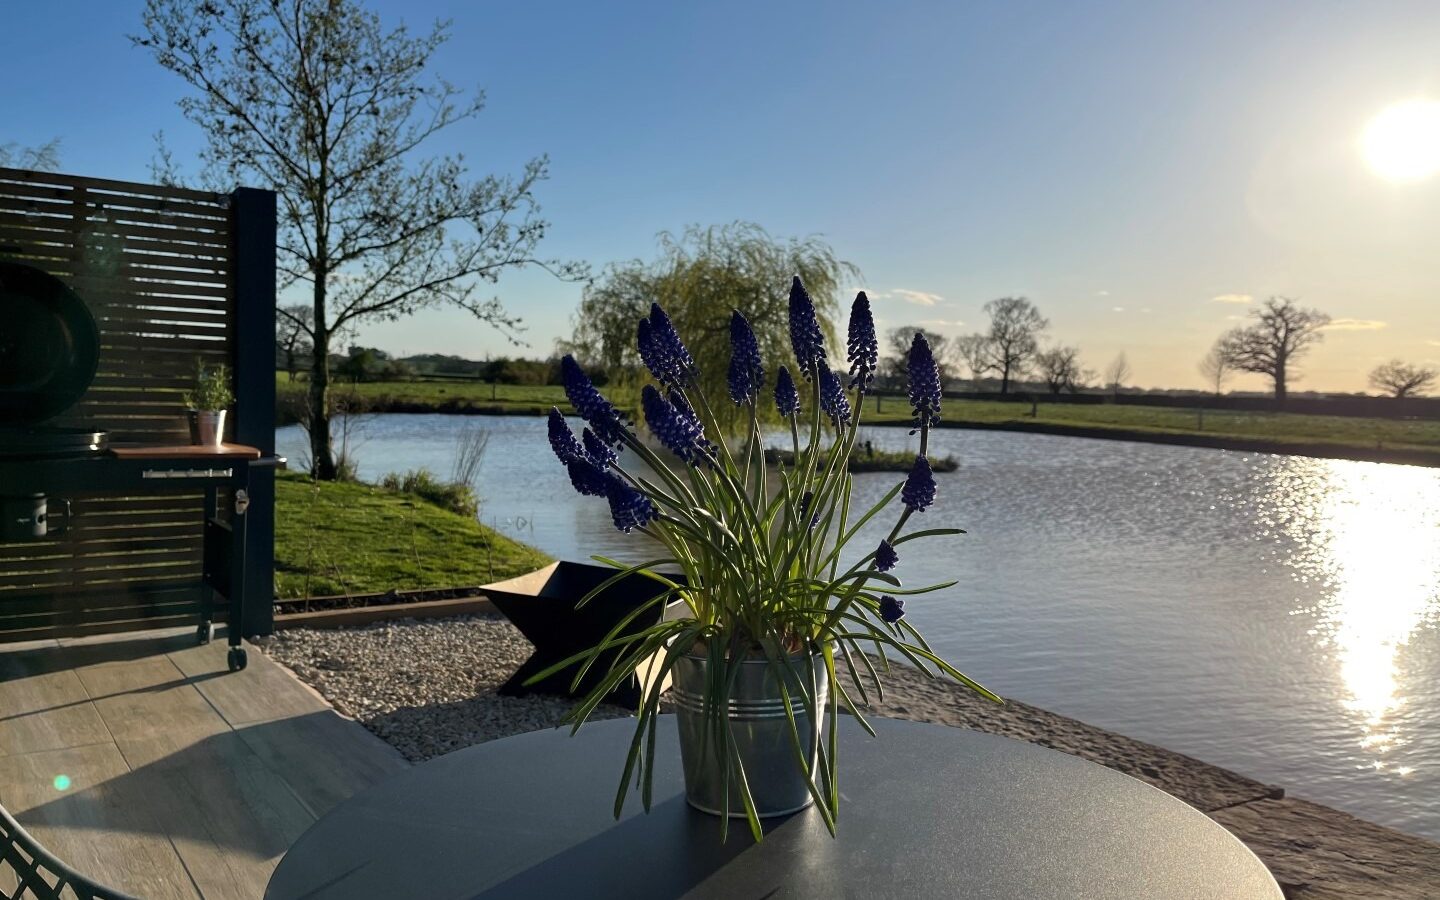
pixel 1282 428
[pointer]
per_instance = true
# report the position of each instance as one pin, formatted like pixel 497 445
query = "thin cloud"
pixel 1117 309
pixel 1232 298
pixel 942 323
pixel 1102 293
pixel 1356 325
pixel 1433 343
pixel 919 298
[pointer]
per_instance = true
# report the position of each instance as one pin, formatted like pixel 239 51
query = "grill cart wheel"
pixel 237 659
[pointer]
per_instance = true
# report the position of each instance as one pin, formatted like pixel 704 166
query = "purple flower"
pixel 662 351
pixel 562 439
pixel 805 335
pixel 805 500
pixel 885 557
pixel 591 406
pixel 891 610
pixel 924 383
pixel 629 508
pixel 603 454
pixel 832 398
pixel 675 425
pixel 919 490
pixel 588 477
pixel 746 375
pixel 863 348
pixel 787 398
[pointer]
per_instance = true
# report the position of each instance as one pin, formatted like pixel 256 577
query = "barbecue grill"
pixel 107 522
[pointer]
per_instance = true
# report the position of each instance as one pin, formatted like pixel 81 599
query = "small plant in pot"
pixel 208 404
pixel 767 604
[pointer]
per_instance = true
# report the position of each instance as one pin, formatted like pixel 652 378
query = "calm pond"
pixel 1276 615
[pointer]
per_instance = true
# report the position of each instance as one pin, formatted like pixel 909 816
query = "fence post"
pixel 253 216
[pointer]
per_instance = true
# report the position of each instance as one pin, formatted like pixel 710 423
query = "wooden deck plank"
pixel 99 824
pixel 258 693
pixel 42 706
pixel 323 757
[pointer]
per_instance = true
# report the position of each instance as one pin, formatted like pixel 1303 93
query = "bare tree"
pixel 1401 379
pixel 1216 368
pixel 1060 368
pixel 316 101
pixel 972 352
pixel 1117 372
pixel 44 158
pixel 293 328
pixel 1014 338
pixel 1281 333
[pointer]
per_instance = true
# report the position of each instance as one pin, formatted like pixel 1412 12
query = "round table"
pixel 926 811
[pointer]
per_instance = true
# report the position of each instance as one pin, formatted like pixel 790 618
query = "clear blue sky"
pixel 1122 164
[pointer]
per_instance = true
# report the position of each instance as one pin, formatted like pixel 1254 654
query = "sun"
pixel 1402 143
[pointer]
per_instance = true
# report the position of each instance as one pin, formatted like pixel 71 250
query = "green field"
pixel 339 538
pixel 1341 432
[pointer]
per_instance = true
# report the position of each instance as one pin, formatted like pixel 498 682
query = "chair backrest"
pixel 30 872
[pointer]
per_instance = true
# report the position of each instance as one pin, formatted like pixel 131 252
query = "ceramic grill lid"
pixel 49 345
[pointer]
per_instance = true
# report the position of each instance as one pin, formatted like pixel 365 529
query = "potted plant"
pixel 208 403
pixel 768 601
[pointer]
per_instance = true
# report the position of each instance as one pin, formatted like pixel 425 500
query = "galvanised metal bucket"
pixel 207 427
pixel 757 720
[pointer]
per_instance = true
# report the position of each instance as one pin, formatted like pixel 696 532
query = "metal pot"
pixel 761 731
pixel 207 427
pixel 27 518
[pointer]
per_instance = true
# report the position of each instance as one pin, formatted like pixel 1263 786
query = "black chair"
pixel 37 874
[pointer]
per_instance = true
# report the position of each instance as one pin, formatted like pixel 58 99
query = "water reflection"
pixel 1371 535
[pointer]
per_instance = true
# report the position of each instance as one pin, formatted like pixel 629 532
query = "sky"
pixel 1144 172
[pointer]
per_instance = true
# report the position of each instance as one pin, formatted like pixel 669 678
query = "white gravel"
pixel 427 687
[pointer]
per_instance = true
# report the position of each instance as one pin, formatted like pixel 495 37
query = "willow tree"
pixel 699 277
pixel 317 101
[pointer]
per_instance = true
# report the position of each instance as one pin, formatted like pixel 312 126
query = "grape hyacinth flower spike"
pixel 602 453
pixel 832 398
pixel 806 338
pixel 589 403
pixel 919 490
pixel 629 508
pixel 924 383
pixel 885 557
pixel 562 439
pixel 863 348
pixel 676 429
pixel 787 398
pixel 668 361
pixel 746 375
pixel 891 610
pixel 588 477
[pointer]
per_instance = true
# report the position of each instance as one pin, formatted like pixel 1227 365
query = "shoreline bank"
pixel 428 688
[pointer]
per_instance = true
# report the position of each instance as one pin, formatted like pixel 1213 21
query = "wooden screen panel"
pixel 155 266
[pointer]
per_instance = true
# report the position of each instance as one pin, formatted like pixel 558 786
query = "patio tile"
pixel 42 709
pixel 140 699
pixel 260 692
pixel 229 815
pixel 98 823
pixel 323 757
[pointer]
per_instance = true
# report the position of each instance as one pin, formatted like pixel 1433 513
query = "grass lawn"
pixel 333 538
pixel 1341 431
pixel 1345 431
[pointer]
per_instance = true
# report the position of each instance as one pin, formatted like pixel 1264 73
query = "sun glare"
pixel 1402 143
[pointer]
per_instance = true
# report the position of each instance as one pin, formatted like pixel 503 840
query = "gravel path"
pixel 427 687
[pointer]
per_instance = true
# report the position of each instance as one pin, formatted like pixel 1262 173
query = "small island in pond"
pixel 867 458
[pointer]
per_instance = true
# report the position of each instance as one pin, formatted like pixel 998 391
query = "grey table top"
pixel 926 811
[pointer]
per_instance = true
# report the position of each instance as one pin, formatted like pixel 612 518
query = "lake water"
pixel 1275 615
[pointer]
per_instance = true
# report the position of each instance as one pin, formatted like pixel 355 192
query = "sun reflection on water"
pixel 1371 535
